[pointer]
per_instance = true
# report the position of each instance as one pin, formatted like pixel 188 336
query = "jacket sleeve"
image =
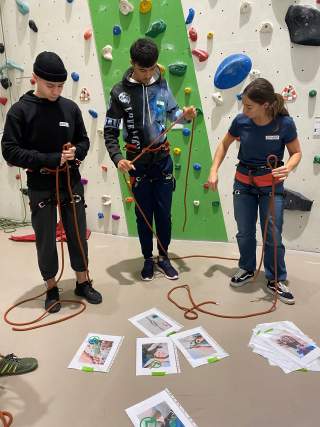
pixel 173 110
pixel 112 129
pixel 13 150
pixel 80 140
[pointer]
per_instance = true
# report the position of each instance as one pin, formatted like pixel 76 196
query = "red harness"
pixel 257 180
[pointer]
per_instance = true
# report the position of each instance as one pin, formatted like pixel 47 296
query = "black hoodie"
pixel 36 130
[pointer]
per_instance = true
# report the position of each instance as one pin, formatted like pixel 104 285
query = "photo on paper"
pixel 155 323
pixel 198 347
pixel 157 354
pixel 96 353
pixel 160 410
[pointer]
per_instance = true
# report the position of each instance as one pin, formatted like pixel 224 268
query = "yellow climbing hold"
pixel 187 90
pixel 177 151
pixel 145 6
pixel 210 35
pixel 162 68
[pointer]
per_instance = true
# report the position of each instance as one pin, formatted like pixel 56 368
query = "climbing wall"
pixel 205 220
pixel 61 28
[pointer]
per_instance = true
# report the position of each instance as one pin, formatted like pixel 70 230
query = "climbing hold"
pixel 115 217
pixel 266 27
pixel 104 168
pixel 23 7
pixel 84 181
pixel 1 48
pixel 316 159
pixel 210 35
pixel 84 95
pixel 33 25
pixel 18 176
pixel 245 7
pixel 93 113
pixel 199 111
pixel 186 132
pixel 232 71
pixel 295 201
pixel 129 199
pixel 187 90
pixel 145 6
pixel 87 34
pixel 116 30
pixel 69 1
pixel 100 215
pixel 196 203
pixel 75 76
pixel 303 25
pixel 106 200
pixel 3 100
pixel 162 68
pixel 216 203
pixel 32 81
pixel 193 34
pixel 10 65
pixel 156 28
pixel 178 68
pixel 312 93
pixel 5 82
pixel 177 166
pixel 190 16
pixel 239 96
pixel 176 151
pixel 196 166
pixel 107 52
pixel 206 185
pixel 24 191
pixel 125 7
pixel 202 55
pixel 254 74
pixel 217 97
pixel 289 93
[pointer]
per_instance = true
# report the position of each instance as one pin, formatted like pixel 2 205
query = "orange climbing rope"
pixel 25 326
pixel 6 418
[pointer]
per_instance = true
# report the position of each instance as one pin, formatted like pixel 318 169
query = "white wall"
pixel 61 27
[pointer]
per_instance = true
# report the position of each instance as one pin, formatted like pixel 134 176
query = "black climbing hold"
pixel 33 26
pixel 5 82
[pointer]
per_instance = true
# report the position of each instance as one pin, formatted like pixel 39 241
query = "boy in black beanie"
pixel 37 128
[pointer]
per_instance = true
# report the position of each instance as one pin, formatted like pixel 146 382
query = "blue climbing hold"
pixel 190 16
pixel 100 215
pixel 186 132
pixel 93 113
pixel 239 96
pixel 69 1
pixel 117 30
pixel 75 76
pixel 23 7
pixel 197 166
pixel 232 71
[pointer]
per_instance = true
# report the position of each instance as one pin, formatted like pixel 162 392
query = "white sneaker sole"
pixel 147 279
pixel 284 300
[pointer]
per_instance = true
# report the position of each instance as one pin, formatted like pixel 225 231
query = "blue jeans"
pixel 246 201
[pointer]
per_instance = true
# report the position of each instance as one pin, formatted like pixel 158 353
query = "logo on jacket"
pixel 124 97
pixel 64 124
pixel 272 137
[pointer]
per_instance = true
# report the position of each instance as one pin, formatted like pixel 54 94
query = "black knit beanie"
pixel 49 66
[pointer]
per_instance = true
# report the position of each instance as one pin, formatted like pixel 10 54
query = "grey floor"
pixel 239 391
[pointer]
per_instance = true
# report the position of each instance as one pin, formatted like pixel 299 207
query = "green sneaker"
pixel 13 365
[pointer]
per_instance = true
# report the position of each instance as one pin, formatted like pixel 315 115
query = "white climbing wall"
pixel 282 63
pixel 61 27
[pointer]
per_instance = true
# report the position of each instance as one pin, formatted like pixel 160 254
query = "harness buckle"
pixel 42 204
pixel 76 198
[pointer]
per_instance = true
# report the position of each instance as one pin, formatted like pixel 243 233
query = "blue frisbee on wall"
pixel 232 71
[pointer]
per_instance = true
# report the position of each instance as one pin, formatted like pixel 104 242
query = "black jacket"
pixel 36 130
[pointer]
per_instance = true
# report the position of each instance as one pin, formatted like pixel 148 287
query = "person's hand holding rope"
pixel 68 153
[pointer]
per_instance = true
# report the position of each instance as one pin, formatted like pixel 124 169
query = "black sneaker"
pixel 13 365
pixel 241 278
pixel 86 291
pixel 147 273
pixel 52 298
pixel 164 265
pixel 284 293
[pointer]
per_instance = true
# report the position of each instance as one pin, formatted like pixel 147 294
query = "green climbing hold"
pixel 312 93
pixel 316 159
pixel 177 166
pixel 178 68
pixel 156 28
pixel 199 111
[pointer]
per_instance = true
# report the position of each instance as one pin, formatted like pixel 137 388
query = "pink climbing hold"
pixel 193 34
pixel 84 181
pixel 206 185
pixel 3 100
pixel 202 55
pixel 116 217
pixel 104 168
pixel 32 81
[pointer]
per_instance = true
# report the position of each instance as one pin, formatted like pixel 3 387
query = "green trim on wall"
pixel 206 221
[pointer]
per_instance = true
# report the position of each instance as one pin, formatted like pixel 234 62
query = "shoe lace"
pixel 12 358
pixel 239 273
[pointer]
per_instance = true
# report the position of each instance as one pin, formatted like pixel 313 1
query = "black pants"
pixel 152 187
pixel 44 220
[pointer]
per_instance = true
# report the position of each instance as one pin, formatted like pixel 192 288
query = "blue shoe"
pixel 164 265
pixel 147 273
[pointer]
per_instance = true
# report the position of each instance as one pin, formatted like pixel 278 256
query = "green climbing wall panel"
pixel 205 222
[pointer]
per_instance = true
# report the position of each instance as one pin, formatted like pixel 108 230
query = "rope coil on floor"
pixel 6 418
